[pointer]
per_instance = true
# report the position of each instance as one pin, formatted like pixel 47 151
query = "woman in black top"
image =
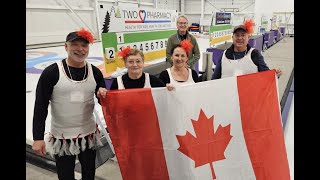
pixel 135 78
pixel 179 74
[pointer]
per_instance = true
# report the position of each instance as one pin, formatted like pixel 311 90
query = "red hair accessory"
pixel 186 45
pixel 85 34
pixel 249 24
pixel 124 52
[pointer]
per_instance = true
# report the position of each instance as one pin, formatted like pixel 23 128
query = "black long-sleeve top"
pixel 136 83
pixel 46 83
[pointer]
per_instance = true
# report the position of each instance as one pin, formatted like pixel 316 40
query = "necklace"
pixel 85 71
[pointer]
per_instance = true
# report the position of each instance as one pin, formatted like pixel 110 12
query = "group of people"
pixel 70 85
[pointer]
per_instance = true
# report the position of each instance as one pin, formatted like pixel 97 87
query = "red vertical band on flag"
pixel 135 134
pixel 261 124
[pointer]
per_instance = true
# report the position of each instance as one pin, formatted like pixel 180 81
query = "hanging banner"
pixel 152 44
pixel 221 31
pixel 128 19
pixel 143 28
pixel 223 18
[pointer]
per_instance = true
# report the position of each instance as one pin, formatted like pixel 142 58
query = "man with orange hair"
pixel 241 58
pixel 69 86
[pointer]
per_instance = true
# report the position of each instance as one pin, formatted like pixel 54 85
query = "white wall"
pixel 168 4
pixel 267 8
pixel 49 21
pixel 244 7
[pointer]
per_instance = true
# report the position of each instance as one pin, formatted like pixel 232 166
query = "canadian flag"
pixel 226 129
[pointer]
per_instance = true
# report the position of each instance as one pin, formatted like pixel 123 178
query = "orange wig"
pixel 249 24
pixel 186 45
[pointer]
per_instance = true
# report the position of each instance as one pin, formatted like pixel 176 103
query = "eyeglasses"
pixel 182 23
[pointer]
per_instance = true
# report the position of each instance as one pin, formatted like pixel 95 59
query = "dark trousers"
pixel 66 164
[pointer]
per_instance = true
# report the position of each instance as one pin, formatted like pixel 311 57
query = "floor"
pixel 279 55
pixel 109 171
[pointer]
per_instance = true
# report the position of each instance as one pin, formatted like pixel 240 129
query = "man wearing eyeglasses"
pixel 182 34
pixel 240 58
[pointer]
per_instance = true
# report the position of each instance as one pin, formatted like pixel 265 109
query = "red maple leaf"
pixel 207 146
